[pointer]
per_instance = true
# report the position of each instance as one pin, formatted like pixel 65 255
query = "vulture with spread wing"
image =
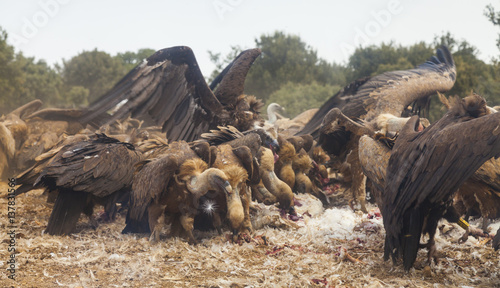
pixel 426 168
pixel 367 99
pixel 98 170
pixel 168 89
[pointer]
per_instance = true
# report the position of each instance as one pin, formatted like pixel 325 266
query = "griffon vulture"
pixel 172 185
pixel 368 98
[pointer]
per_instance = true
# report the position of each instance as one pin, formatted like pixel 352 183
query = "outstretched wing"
pixel 389 92
pixel 230 82
pixel 167 88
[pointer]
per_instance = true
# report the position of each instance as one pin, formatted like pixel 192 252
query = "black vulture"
pixel 366 99
pixel 98 170
pixel 168 89
pixel 426 168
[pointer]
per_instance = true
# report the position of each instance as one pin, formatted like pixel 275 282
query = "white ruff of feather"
pixel 209 207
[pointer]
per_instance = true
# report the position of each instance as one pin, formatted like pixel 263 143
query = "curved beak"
pixel 226 187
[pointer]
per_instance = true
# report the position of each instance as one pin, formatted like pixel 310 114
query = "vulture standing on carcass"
pixel 425 170
pixel 168 89
pixel 98 170
pixel 172 185
pixel 368 98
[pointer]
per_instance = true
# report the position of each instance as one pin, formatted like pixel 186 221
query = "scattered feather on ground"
pixel 320 248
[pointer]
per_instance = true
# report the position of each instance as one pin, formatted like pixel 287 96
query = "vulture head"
pixel 237 177
pixel 272 109
pixel 199 178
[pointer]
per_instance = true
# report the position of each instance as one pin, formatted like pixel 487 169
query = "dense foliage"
pixel 288 71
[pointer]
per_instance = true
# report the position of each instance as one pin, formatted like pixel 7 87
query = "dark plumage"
pixel 426 168
pixel 366 99
pixel 95 171
pixel 172 184
pixel 168 89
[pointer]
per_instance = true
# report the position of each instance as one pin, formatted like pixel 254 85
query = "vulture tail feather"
pixel 137 225
pixel 411 238
pixel 67 209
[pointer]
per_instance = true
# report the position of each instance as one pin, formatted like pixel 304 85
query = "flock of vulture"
pixel 168 147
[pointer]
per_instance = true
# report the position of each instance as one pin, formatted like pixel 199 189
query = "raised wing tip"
pixel 179 53
pixel 442 61
pixel 444 55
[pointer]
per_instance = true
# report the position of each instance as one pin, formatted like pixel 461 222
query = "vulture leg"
pixel 187 222
pixel 217 222
pixel 89 211
pixel 155 210
pixel 67 209
pixel 358 184
pixel 52 196
pixel 485 224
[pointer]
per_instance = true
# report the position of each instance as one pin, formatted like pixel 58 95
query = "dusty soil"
pixel 326 248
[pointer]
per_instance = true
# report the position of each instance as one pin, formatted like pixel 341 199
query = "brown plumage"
pixel 480 194
pixel 168 89
pixel 95 171
pixel 283 166
pixel 272 183
pixel 45 129
pixel 365 99
pixel 426 168
pixel 7 150
pixel 171 185
pixel 231 161
pixel 27 178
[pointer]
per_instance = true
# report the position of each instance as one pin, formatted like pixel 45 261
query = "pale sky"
pixel 60 29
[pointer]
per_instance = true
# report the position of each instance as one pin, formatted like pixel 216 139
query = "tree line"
pixel 288 71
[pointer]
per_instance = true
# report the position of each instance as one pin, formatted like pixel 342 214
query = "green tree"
pixel 40 82
pixel 94 70
pixel 11 75
pixel 285 58
pixel 131 59
pixel 297 98
pixel 494 17
pixel 374 60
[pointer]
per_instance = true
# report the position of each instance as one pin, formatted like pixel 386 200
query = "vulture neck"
pixel 200 183
pixel 235 212
pixel 271 114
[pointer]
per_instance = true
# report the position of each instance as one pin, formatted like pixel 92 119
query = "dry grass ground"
pixel 326 248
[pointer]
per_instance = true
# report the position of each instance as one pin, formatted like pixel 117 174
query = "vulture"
pixel 238 151
pixel 172 184
pixel 98 170
pixel 13 133
pixel 46 127
pixel 365 99
pixel 425 170
pixel 285 125
pixel 496 240
pixel 168 89
pixel 480 194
